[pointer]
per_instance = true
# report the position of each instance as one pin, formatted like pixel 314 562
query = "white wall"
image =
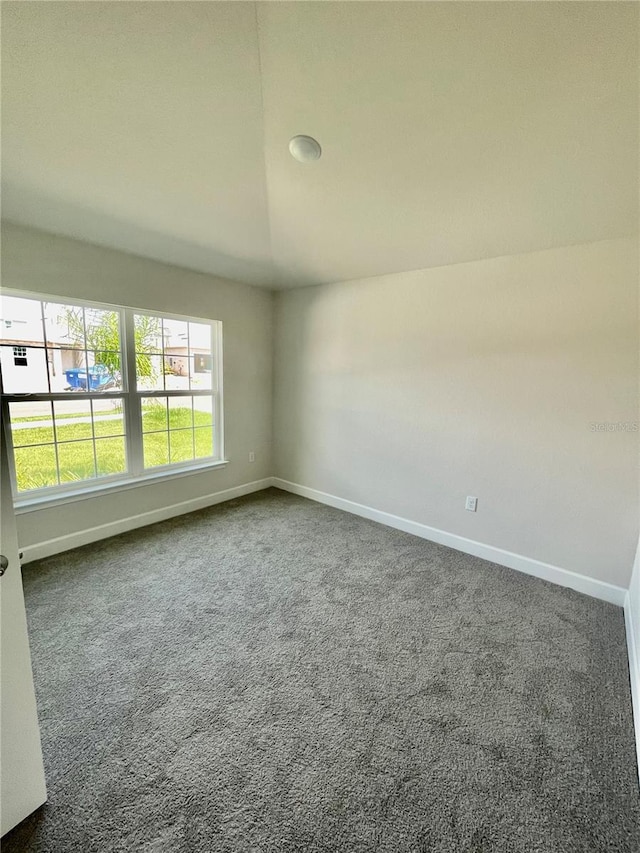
pixel 408 392
pixel 39 262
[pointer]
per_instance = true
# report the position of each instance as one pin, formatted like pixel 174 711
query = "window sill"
pixel 24 505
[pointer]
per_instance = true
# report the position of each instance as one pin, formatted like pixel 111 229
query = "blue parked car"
pixel 100 378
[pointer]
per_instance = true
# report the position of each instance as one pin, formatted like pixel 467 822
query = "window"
pixel 95 393
pixel 20 356
pixel 203 364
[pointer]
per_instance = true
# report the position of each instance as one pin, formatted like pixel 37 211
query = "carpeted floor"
pixel 274 675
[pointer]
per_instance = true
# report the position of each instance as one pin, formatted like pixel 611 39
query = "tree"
pixel 147 332
pixel 99 331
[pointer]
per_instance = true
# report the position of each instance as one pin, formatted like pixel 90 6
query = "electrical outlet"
pixel 252 456
pixel 471 504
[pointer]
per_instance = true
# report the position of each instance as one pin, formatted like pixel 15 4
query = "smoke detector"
pixel 305 149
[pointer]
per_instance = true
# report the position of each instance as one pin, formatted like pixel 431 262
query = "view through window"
pixel 106 392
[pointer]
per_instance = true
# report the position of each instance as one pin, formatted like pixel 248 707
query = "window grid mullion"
pixel 218 396
pixel 213 349
pixel 65 441
pixel 167 411
pixel 55 440
pixel 217 449
pixel 193 426
pixel 46 349
pixel 85 350
pixel 60 396
pixel 133 408
pixel 162 361
pixel 93 437
pixel 189 371
pixel 177 392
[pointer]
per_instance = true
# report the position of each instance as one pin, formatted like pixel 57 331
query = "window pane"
pixel 176 373
pixel 199 337
pixel 180 412
pixel 203 441
pixel 76 461
pixel 156 449
pixel 154 414
pixel 24 369
pixel 64 326
pixel 202 411
pixel 181 445
pixel 73 419
pixel 200 372
pixel 150 372
pixel 31 423
pixel 102 330
pixel 200 355
pixel 108 417
pixel 148 333
pixel 21 321
pixel 104 371
pixel 110 456
pixel 35 467
pixel 202 362
pixel 175 335
pixel 68 369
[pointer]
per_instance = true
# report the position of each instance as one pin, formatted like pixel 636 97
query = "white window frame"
pixel 136 474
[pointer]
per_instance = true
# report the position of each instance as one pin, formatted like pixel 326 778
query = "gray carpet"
pixel 274 675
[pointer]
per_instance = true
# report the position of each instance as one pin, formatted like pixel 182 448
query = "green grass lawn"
pixel 61 415
pixel 190 436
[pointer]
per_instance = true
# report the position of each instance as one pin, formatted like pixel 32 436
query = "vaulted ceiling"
pixel 450 131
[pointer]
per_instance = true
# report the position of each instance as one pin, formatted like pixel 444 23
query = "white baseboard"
pixel 102 531
pixel 589 586
pixel 527 565
pixel 562 577
pixel 634 668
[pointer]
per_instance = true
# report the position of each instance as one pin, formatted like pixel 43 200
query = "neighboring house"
pixel 177 360
pixel 26 362
pixel 24 365
pixel 23 355
pixel 22 352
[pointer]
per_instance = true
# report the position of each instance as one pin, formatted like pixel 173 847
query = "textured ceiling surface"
pixel 450 131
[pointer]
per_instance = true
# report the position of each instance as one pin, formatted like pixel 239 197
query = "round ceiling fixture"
pixel 305 149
